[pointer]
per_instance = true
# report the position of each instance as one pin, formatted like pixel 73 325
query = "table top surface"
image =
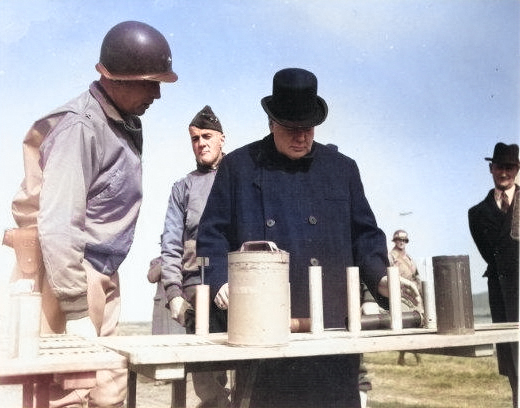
pixel 63 354
pixel 178 348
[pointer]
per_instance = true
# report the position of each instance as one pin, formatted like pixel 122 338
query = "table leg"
pixel 42 393
pixel 131 384
pixel 28 395
pixel 245 399
pixel 179 393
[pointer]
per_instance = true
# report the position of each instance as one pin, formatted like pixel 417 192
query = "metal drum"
pixel 453 299
pixel 259 295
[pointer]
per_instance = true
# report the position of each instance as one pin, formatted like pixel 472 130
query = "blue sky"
pixel 419 92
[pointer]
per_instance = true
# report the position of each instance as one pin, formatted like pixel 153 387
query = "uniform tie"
pixel 505 202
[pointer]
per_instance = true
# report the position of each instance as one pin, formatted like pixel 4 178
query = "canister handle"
pixel 258 246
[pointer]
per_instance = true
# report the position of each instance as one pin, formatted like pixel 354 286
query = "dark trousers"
pixel 305 382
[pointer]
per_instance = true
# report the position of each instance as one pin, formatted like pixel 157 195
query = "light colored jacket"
pixel 83 190
pixel 178 243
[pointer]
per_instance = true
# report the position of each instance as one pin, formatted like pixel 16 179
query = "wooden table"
pixel 170 357
pixel 59 354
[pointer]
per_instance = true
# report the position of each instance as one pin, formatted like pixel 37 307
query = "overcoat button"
pixel 315 262
pixel 313 220
pixel 270 222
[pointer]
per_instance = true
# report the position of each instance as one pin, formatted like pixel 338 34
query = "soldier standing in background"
pixel 408 270
pixel 162 322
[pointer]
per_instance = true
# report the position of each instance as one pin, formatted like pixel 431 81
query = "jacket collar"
pixel 269 157
pixel 204 168
pixel 130 124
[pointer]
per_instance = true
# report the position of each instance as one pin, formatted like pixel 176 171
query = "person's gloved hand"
pixel 178 307
pixel 222 297
pixel 409 292
pixel 370 308
pixel 81 327
pixel 410 295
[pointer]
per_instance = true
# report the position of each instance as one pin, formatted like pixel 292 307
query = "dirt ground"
pixel 157 395
pixel 149 395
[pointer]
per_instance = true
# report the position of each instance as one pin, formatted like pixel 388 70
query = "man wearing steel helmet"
pixel 80 198
pixel 309 200
pixel 399 258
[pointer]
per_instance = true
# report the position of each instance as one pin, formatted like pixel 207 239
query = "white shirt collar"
pixel 510 194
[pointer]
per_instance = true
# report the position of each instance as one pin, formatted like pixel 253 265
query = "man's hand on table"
pixel 222 297
pixel 178 308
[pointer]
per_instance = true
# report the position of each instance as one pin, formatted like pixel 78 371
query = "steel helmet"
pixel 401 234
pixel 132 50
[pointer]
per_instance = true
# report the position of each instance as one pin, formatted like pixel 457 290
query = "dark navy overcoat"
pixel 314 208
pixel 491 231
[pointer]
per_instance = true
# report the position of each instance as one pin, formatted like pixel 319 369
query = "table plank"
pixel 63 354
pixel 168 349
pixel 174 355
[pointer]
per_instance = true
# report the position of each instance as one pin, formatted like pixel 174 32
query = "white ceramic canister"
pixel 259 297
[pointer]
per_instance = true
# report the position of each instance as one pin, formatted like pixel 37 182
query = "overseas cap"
pixel 206 119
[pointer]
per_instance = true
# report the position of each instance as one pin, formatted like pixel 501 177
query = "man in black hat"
pixel 494 233
pixel 309 200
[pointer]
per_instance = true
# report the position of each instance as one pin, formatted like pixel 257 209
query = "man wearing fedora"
pixel 494 233
pixel 309 200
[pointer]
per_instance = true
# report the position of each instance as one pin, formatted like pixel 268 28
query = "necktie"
pixel 505 202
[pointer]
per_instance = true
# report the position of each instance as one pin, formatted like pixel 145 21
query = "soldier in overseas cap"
pixel 180 272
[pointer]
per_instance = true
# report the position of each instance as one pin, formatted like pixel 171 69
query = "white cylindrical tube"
pixel 13 326
pixel 289 314
pixel 30 307
pixel 353 299
pixel 316 299
pixel 5 312
pixel 429 305
pixel 394 298
pixel 202 310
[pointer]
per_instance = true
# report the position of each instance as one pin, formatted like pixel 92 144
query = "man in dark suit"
pixel 309 200
pixel 496 237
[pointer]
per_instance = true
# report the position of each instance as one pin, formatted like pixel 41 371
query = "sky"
pixel 419 93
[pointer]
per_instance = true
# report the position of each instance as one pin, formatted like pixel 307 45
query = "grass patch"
pixel 437 381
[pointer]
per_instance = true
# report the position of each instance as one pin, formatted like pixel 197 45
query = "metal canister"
pixel 453 299
pixel 259 295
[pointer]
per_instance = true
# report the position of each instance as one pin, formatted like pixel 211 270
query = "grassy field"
pixel 438 381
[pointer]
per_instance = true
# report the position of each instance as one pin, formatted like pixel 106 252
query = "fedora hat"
pixel 294 102
pixel 505 154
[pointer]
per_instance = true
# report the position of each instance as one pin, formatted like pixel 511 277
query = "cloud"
pixel 16 17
